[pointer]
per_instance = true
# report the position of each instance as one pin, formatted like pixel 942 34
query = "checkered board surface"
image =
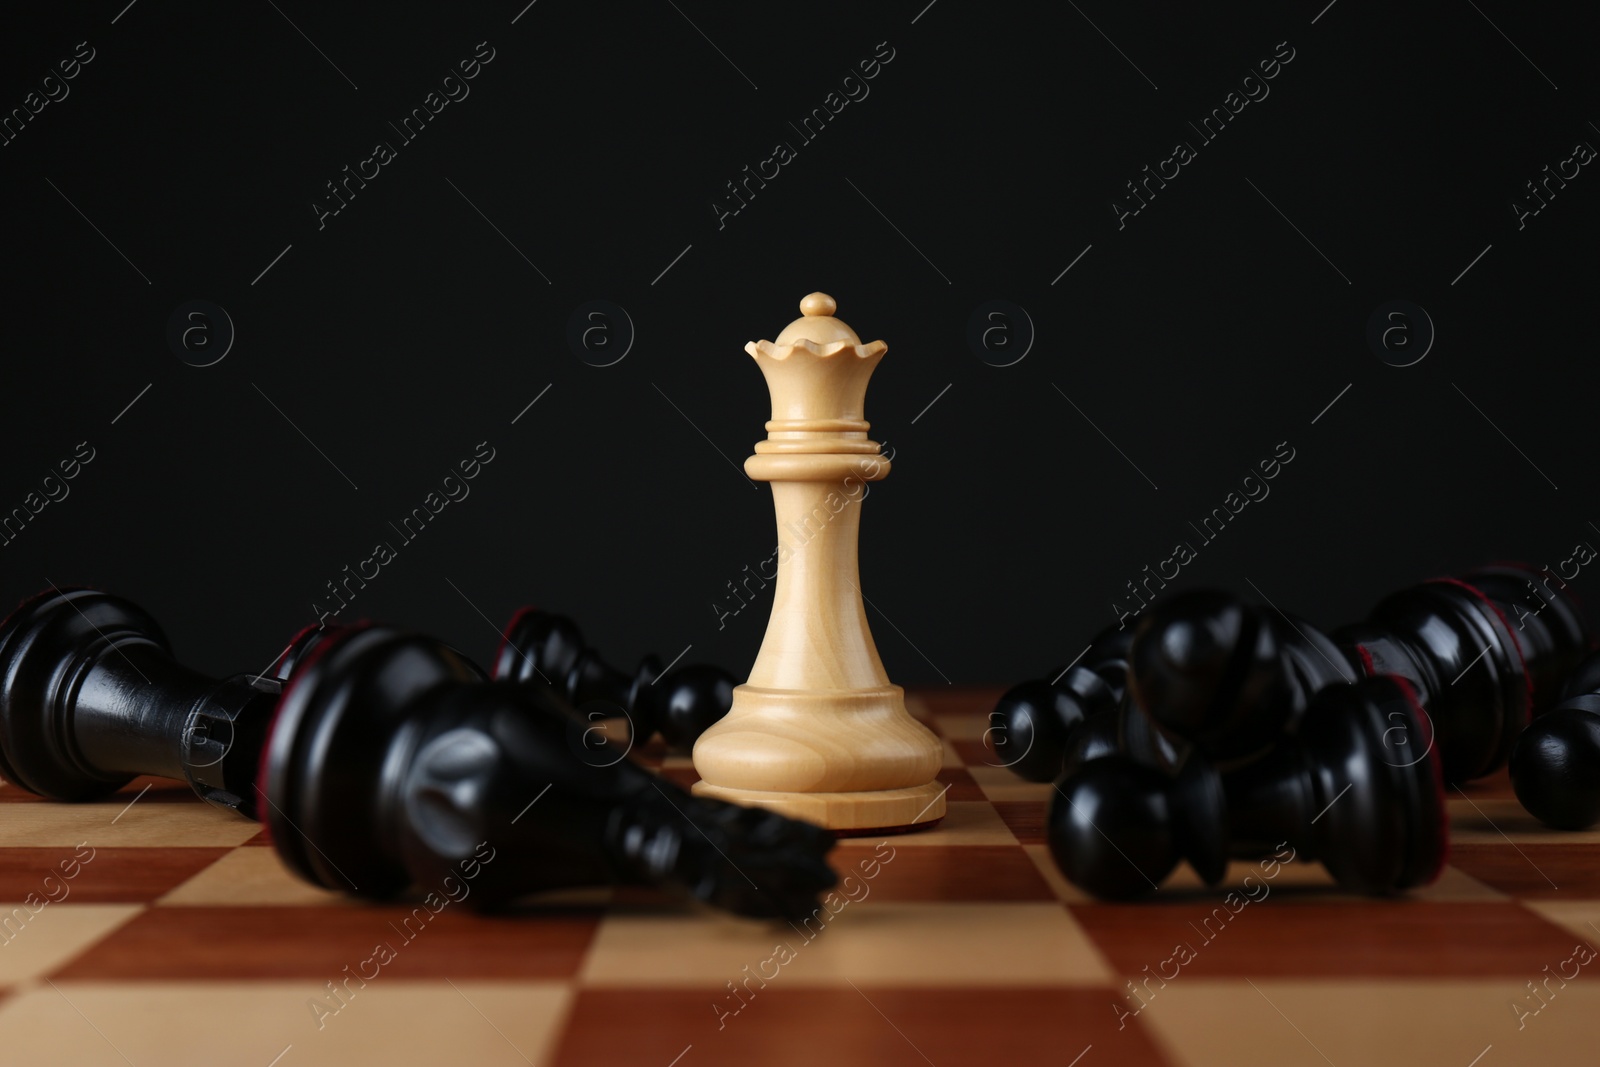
pixel 184 941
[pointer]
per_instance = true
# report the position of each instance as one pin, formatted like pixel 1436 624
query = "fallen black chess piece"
pixel 1229 678
pixel 1034 722
pixel 681 704
pixel 383 763
pixel 1555 766
pixel 1357 787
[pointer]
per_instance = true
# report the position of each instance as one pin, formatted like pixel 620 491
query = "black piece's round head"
pixel 684 704
pixel 1376 778
pixel 1208 668
pixel 1117 828
pixel 327 765
pixel 1110 828
pixel 1555 766
pixel 538 646
pixel 1030 726
pixel 46 647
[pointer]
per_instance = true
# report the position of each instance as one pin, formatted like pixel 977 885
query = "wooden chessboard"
pixel 183 941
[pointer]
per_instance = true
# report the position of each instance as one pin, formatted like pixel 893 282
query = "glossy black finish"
pixel 1228 677
pixel 301 646
pixel 1127 731
pixel 688 701
pixel 1357 787
pixel 1117 828
pixel 1486 652
pixel 1547 621
pixel 1555 765
pixel 90 697
pixel 1033 724
pixel 681 705
pixel 392 763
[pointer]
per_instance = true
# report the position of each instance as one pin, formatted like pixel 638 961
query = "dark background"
pixel 408 329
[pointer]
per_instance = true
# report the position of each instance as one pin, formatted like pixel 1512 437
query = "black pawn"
pixel 1033 724
pixel 688 701
pixel 680 705
pixel 1357 787
pixel 1117 827
pixel 1555 766
pixel 1225 676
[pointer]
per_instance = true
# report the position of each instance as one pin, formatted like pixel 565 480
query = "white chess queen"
pixel 819 732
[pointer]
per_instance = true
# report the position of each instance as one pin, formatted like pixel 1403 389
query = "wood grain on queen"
pixel 818 732
pixel 855 491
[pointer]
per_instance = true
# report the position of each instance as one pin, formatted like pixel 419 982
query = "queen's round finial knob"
pixel 817 324
pixel 818 304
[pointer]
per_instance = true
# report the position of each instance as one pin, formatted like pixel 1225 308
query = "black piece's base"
pixel 46 645
pixel 1384 826
pixel 90 697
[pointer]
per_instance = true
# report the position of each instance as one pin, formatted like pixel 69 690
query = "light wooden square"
pixel 1277 1023
pixel 1581 917
pixel 250 876
pixel 1497 821
pixel 886 944
pixel 390 1021
pixel 36 943
pixel 124 823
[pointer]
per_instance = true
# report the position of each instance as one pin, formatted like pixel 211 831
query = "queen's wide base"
pixel 917 807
